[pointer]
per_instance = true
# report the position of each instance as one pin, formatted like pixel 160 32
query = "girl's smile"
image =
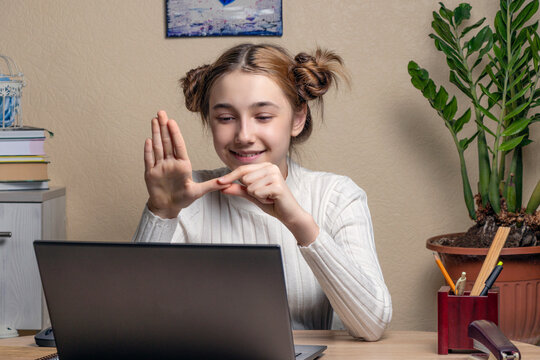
pixel 247 157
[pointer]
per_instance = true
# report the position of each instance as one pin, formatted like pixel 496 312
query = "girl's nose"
pixel 245 133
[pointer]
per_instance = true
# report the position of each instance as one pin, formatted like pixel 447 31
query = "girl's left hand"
pixel 264 185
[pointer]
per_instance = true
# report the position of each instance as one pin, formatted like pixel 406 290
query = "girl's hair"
pixel 302 78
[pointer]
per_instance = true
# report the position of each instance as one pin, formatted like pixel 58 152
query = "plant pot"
pixel 518 283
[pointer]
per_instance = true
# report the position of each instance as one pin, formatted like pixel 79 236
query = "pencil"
pixel 446 276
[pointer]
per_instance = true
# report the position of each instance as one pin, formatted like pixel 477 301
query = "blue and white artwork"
pixel 186 18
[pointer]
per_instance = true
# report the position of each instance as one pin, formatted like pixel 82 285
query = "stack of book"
pixel 23 164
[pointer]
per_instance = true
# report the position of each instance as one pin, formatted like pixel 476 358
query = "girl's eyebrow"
pixel 254 105
pixel 222 106
pixel 264 103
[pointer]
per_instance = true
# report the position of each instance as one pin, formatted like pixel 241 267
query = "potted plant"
pixel 498 71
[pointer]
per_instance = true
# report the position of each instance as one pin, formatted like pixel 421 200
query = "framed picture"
pixel 187 18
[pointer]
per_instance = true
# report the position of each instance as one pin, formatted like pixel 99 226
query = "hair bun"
pixel 315 74
pixel 192 85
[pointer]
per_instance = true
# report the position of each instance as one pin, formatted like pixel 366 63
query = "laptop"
pixel 167 301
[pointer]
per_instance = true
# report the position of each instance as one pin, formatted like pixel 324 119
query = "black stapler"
pixel 488 338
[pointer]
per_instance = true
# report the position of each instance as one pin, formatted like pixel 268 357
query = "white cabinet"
pixel 26 216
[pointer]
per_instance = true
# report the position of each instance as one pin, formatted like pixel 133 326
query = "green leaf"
pixel 429 91
pixel 519 95
pixel 450 109
pixel 440 99
pixel 444 47
pixel 516 127
pixel 474 26
pixel 486 129
pixel 446 13
pixel 445 33
pixel 419 76
pixel 513 58
pixel 487 113
pixel 462 12
pixel 522 36
pixel 494 63
pixel 478 61
pixel 475 43
pixel 455 80
pixel 412 67
pixel 482 75
pixel 443 24
pixel 493 77
pixel 518 79
pixel 500 56
pixel 458 125
pixel 490 95
pixel 516 111
pixel 495 101
pixel 455 64
pixel 500 28
pixel 510 144
pixel 464 143
pixel 537 46
pixel 523 61
pixel 515 5
pixel 488 46
pixel 527 12
pixel 533 45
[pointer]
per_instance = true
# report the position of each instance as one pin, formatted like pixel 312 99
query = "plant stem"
pixel 534 202
pixel 494 180
pixel 483 155
pixel 516 168
pixel 467 192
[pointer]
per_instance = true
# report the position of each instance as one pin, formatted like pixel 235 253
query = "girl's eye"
pixel 225 119
pixel 264 118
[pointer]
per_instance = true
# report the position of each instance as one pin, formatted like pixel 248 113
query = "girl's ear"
pixel 299 120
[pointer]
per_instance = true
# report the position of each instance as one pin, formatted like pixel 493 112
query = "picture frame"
pixel 199 18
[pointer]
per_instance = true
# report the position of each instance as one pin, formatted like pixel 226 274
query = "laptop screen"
pixel 165 301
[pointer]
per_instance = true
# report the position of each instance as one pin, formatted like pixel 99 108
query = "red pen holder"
pixel 455 313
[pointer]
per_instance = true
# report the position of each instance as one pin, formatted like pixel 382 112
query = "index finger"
pixel 239 172
pixel 180 151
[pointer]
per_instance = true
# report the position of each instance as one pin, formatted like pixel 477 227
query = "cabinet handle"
pixel 5 234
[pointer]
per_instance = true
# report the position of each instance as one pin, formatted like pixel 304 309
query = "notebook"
pixel 167 301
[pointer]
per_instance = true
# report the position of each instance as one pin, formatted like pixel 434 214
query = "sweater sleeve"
pixel 153 228
pixel 344 261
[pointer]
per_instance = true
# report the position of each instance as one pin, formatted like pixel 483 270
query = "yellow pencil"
pixel 446 276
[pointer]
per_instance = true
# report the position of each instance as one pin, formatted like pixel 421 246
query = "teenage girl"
pixel 255 99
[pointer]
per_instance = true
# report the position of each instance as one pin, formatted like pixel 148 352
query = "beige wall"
pixel 98 71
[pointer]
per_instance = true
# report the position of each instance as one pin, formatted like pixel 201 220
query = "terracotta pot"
pixel 518 283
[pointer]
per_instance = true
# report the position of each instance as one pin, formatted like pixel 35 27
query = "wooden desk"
pixel 394 345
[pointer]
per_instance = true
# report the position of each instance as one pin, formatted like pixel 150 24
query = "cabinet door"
pixel 20 286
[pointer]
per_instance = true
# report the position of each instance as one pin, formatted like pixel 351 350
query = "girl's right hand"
pixel 167 170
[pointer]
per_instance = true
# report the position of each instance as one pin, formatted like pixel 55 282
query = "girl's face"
pixel 252 121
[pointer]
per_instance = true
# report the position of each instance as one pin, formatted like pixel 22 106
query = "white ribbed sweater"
pixel 339 271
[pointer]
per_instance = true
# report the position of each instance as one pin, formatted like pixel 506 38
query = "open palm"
pixel 168 171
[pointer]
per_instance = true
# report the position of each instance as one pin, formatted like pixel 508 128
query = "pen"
pixel 492 277
pixel 446 276
pixel 460 284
